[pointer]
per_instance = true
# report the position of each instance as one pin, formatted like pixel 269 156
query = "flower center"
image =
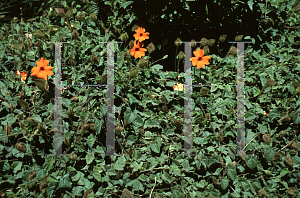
pixel 200 58
pixel 141 34
pixel 137 49
pixel 42 68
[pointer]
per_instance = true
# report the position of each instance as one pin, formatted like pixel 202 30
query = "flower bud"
pixel 222 38
pixel 181 55
pixel 238 38
pixel 93 17
pixel 32 175
pixel 38 34
pixel 124 37
pixel 74 99
pixel 262 193
pixel 73 156
pixel 21 147
pixel 81 16
pixel 126 56
pixel 11 107
pixel 233 51
pixel 40 84
pixel 15 19
pixel 94 59
pixel 269 82
pixel 289 161
pixel 178 42
pixel 118 30
pixel 75 34
pixel 192 43
pixel 32 121
pixel 285 118
pixel 71 62
pixel 118 129
pixel 62 39
pixel 21 40
pixel 23 103
pixel 21 31
pixel 151 48
pixel 41 128
pixel 211 42
pixel 207 116
pixel 43 187
pixel 267 139
pixel 203 42
pixel 133 72
pixel 131 43
pixel 220 138
pixel 103 79
pixel 7 129
pixel 135 27
pixel 206 50
pixel 52 46
pixel 143 62
pixel 69 13
pixel 21 48
pixel 70 112
pixel 66 141
pixel 204 91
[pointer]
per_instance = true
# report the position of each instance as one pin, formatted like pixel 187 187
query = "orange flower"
pixel 42 70
pixel 141 34
pixel 178 87
pixel 153 95
pixel 200 60
pixel 23 75
pixel 137 51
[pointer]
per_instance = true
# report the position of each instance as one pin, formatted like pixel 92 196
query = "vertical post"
pixel 240 120
pixel 57 102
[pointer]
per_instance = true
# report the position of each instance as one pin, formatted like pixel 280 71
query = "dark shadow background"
pixel 224 18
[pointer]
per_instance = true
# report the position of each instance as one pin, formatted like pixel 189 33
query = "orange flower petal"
pixel 200 65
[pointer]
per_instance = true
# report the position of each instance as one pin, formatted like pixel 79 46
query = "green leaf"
pixel 30 55
pixel 18 166
pixel 37 117
pixel 138 122
pixel 155 146
pixel 224 183
pixel 129 116
pixel 283 172
pixel 250 115
pixel 98 124
pixel 296 117
pixel 120 163
pixel 91 140
pixel 90 157
pixel 126 3
pixel 269 154
pixel 251 162
pixel 231 172
pixel 151 124
pixel 65 182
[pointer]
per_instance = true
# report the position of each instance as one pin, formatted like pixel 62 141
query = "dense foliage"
pixel 149 98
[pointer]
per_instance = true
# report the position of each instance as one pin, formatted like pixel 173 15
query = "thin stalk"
pixel 260 92
pixel 178 67
pixel 175 57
